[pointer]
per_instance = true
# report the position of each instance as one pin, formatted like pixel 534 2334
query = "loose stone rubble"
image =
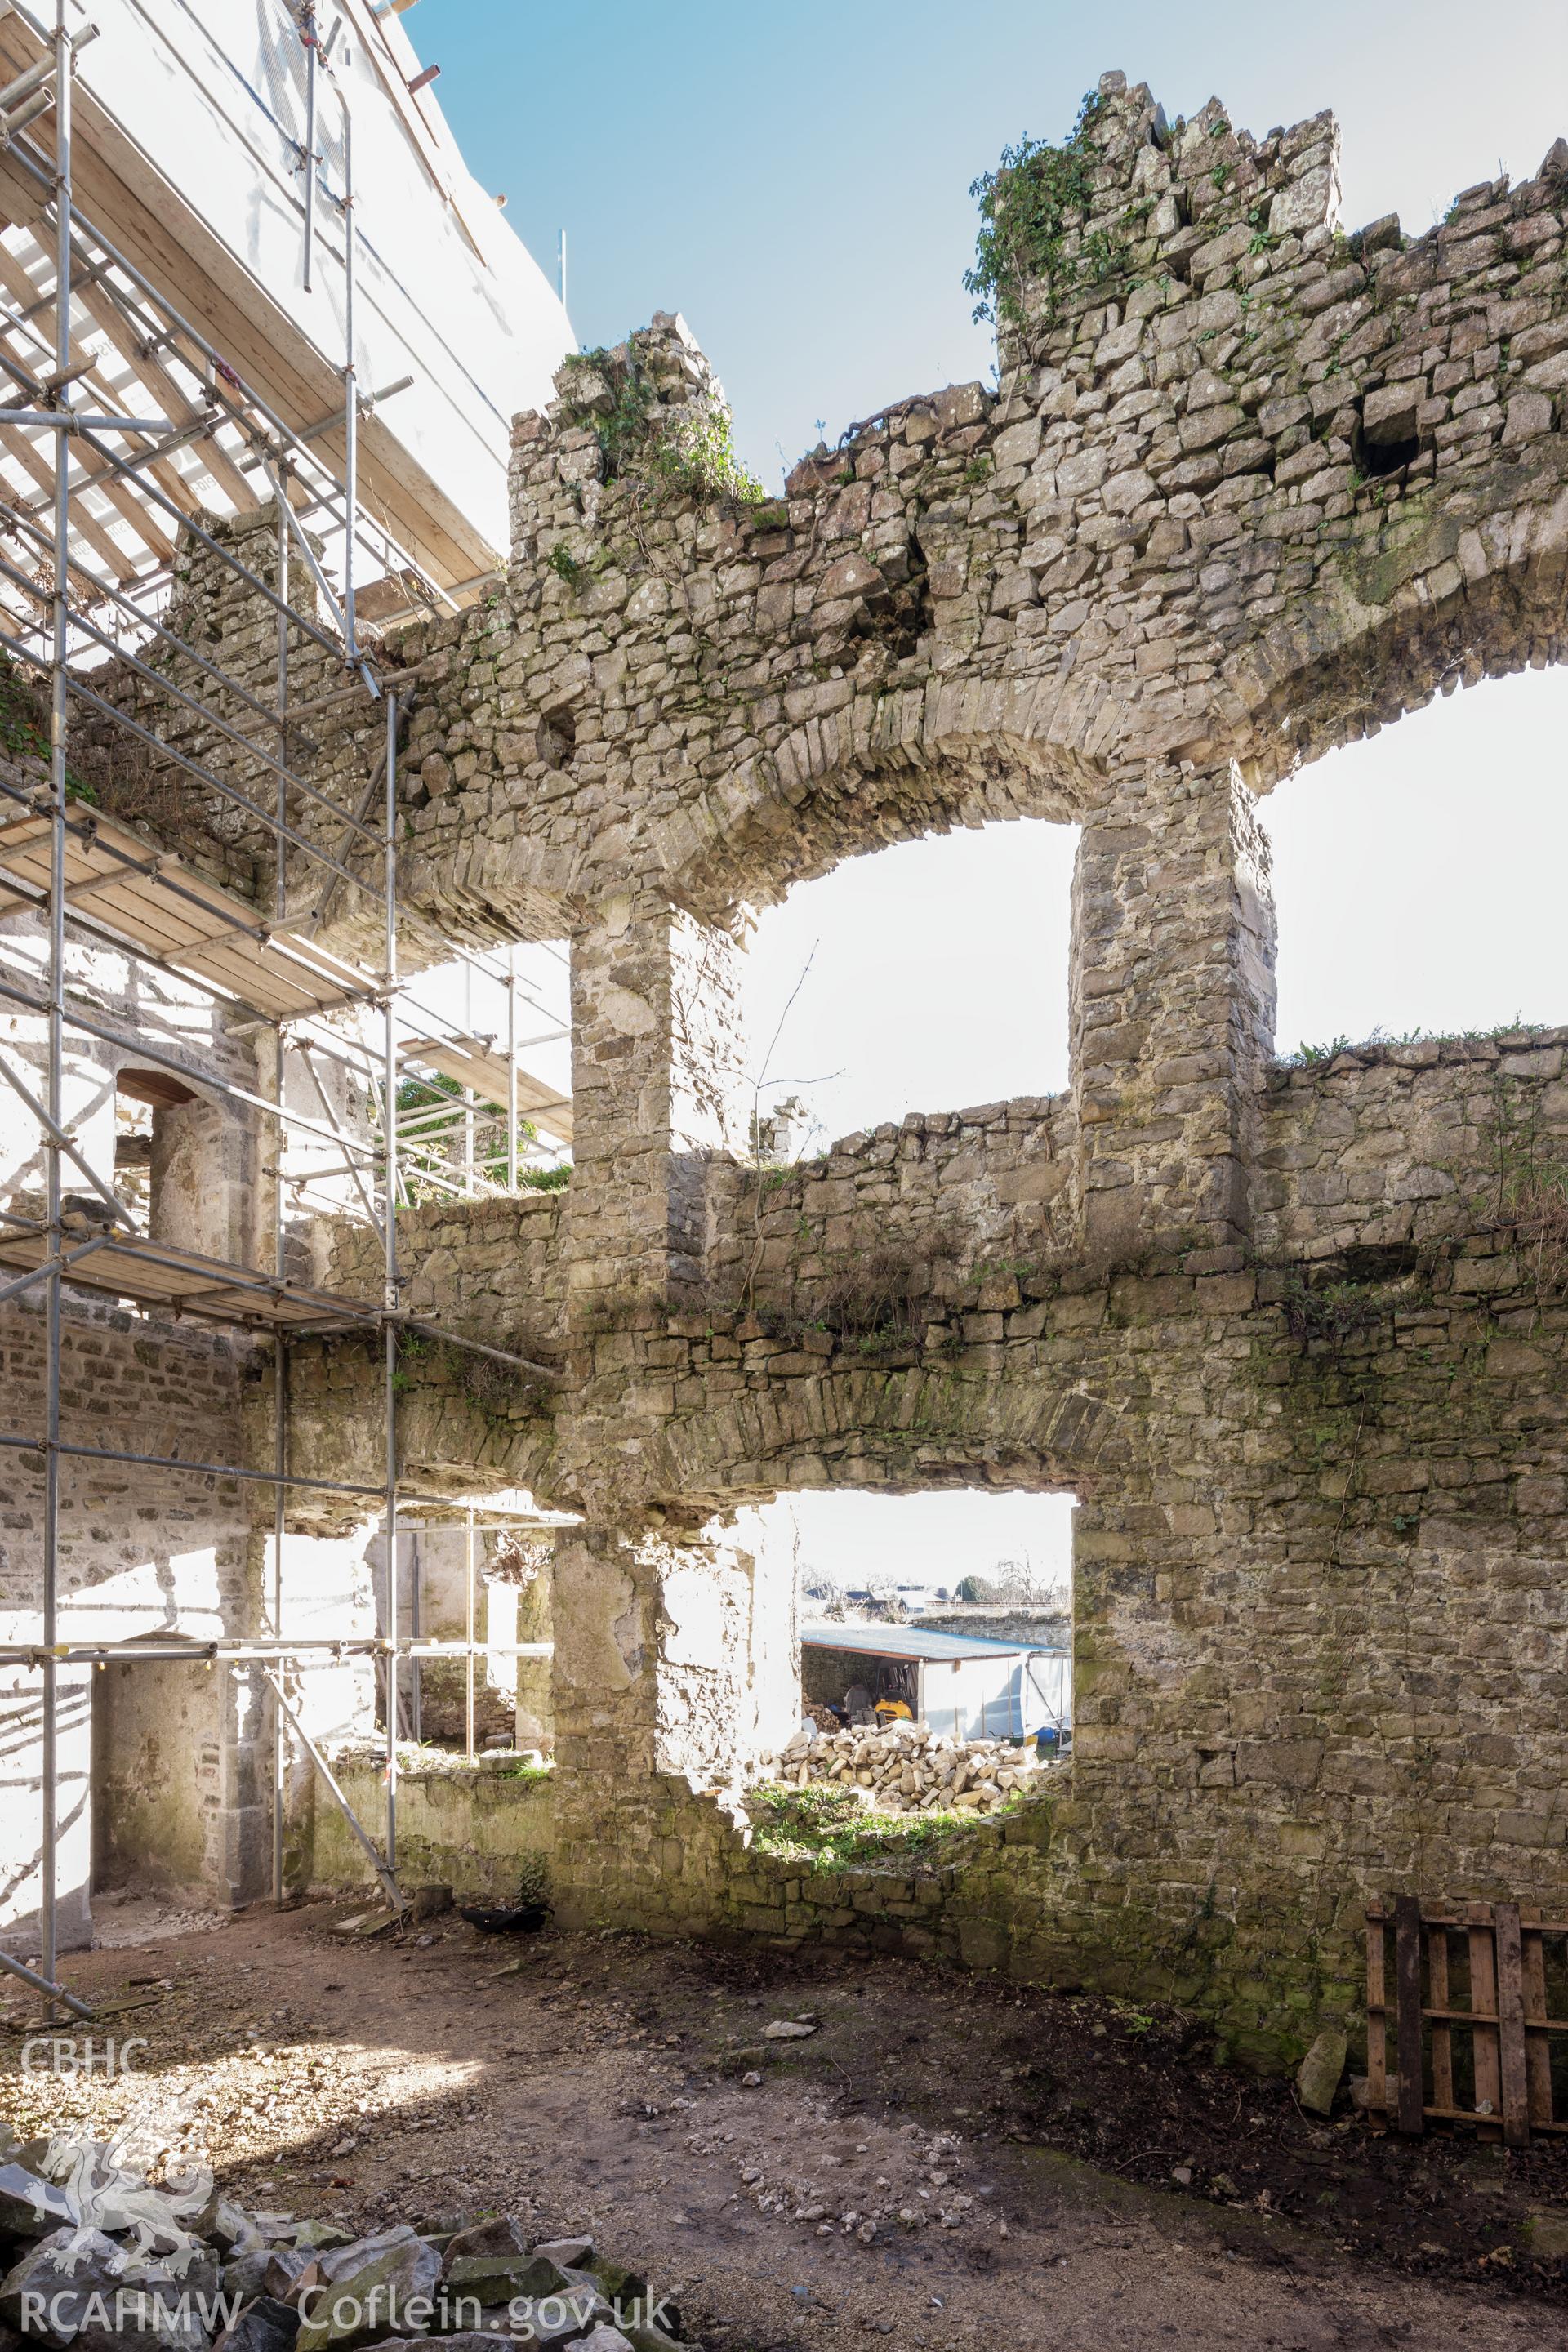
pixel 841 2195
pixel 903 1768
pixel 99 2256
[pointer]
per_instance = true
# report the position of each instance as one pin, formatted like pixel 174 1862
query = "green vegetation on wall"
pixel 829 1828
pixel 680 450
pixel 1027 207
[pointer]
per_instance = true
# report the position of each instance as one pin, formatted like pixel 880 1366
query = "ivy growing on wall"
pixel 684 451
pixel 1523 1190
pixel 25 730
pixel 1027 206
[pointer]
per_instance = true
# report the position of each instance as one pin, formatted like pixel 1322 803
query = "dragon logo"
pixel 106 2186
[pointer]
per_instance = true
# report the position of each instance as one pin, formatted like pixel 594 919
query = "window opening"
pixel 929 976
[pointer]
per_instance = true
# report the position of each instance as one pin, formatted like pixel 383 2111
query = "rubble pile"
pixel 98 2258
pixel 903 1768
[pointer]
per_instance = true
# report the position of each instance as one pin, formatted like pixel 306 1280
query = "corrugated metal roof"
pixel 915 1642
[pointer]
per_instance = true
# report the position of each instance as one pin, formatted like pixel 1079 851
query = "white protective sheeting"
pixel 1010 1695
pixel 213 94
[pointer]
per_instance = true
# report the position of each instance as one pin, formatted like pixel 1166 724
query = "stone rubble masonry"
pixel 470 1830
pixel 1294 1336
pixel 1394 1144
pixel 168 1752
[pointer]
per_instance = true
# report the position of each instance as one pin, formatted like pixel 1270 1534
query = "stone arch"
pixel 456 1435
pixel 1455 601
pixel 483 888
pixel 914 1428
pixel 881 768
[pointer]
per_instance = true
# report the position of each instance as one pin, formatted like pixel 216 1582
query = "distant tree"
pixel 1012 1584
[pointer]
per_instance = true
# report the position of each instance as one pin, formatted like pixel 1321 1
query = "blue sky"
pixel 795 179
pixel 793 176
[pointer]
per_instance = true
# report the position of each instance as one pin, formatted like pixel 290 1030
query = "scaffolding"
pixel 85 567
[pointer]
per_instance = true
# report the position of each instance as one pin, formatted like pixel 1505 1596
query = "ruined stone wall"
pixel 493 1271
pixel 847 1238
pixel 1381 1146
pixel 464 1427
pixel 987 1900
pixel 211 802
pixel 1319 1644
pixel 489 1268
pixel 1247 487
pixel 474 1829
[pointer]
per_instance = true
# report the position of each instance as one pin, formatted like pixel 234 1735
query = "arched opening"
pixel 1415 873
pixel 931 975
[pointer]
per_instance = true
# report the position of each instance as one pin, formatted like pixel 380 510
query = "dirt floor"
pixel 944 2161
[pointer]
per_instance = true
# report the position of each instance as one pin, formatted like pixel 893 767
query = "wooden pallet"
pixel 1505 2026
